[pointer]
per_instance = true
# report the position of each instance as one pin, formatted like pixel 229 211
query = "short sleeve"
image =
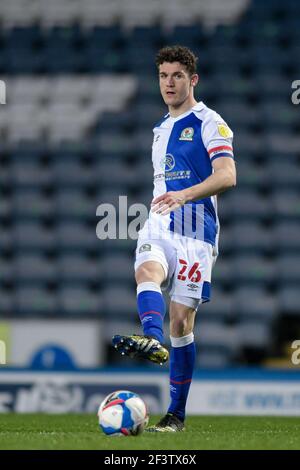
pixel 217 138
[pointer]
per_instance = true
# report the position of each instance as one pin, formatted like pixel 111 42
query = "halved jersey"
pixel 182 153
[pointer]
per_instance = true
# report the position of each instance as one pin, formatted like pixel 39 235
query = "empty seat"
pixel 251 237
pixel 288 268
pixel 114 173
pixel 255 335
pixel 34 236
pixel 73 172
pixel 6 241
pixel 254 270
pixel 286 236
pixel 119 301
pixel 76 236
pixel 6 270
pixel 117 269
pixel 284 173
pixel 6 303
pixel 79 300
pixel 255 303
pixel 222 273
pixel 249 175
pixel 288 297
pixel 286 204
pixel 29 174
pixel 34 269
pixel 32 204
pixel 79 268
pixel 244 204
pixel 31 301
pixel 72 204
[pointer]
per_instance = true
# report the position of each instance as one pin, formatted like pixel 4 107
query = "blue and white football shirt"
pixel 182 154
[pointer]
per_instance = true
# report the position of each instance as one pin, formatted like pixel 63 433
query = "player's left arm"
pixel 223 177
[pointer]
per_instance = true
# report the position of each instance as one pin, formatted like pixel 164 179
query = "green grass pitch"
pixel 62 432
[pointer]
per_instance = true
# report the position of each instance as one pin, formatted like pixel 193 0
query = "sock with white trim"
pixel 182 361
pixel 152 309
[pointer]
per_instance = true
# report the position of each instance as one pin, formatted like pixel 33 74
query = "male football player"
pixel 193 161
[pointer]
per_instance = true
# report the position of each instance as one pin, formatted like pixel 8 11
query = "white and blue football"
pixel 123 413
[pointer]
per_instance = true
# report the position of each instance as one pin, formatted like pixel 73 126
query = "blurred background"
pixel 76 131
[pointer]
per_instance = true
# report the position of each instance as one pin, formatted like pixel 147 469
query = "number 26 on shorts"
pixel 193 274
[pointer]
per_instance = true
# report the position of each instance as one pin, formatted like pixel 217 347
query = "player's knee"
pixel 149 272
pixel 182 319
pixel 181 327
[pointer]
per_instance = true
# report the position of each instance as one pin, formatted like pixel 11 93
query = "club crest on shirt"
pixel 145 247
pixel 187 134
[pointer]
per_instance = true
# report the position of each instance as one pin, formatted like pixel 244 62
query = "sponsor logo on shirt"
pixel 168 162
pixel 224 130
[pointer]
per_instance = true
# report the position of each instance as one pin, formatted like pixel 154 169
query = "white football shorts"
pixel 187 264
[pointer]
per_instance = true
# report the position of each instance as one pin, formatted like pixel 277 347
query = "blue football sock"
pixel 152 309
pixel 182 360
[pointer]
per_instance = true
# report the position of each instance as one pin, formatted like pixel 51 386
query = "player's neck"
pixel 175 111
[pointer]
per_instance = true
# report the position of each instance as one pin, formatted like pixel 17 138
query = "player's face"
pixel 175 83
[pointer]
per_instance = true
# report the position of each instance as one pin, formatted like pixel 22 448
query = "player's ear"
pixel 194 79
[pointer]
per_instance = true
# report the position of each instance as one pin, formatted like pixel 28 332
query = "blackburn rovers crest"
pixel 187 134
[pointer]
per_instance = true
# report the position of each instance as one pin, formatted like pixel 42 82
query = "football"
pixel 123 413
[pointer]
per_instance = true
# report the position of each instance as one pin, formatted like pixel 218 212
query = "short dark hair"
pixel 180 54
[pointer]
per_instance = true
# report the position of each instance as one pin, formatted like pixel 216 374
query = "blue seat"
pixel 61 57
pixel 286 237
pixel 33 236
pixel 38 301
pixel 76 301
pixel 6 270
pixel 73 173
pixel 251 237
pixel 254 270
pixel 6 303
pixel 78 269
pixel 255 335
pixel 288 269
pixel 32 204
pixel 75 204
pixel 117 269
pixel 220 308
pixel 34 269
pixel 76 236
pixel 244 205
pixel 288 298
pixel 286 204
pixel 253 303
pixel 119 301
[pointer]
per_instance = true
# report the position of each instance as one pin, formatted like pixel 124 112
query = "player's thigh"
pixel 154 256
pixel 182 315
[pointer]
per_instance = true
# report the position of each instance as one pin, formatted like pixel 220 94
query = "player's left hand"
pixel 168 202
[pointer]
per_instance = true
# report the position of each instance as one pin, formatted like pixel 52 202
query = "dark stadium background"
pixel 76 131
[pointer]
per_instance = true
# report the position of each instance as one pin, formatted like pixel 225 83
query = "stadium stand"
pixel 82 98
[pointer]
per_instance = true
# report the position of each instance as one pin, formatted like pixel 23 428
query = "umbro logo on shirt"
pixel 157 138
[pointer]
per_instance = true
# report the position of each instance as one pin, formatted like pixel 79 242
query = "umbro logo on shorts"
pixel 192 287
